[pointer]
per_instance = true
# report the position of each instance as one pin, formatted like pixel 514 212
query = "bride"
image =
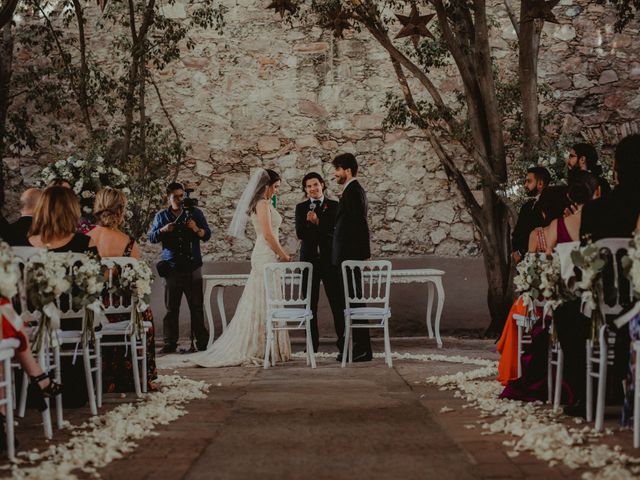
pixel 243 341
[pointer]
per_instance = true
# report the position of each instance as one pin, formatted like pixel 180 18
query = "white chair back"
pixel 367 282
pixel 113 301
pixel 65 301
pixel 288 284
pixel 23 258
pixel 617 290
pixel 567 268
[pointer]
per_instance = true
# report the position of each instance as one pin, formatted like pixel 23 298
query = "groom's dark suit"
pixel 351 242
pixel 316 248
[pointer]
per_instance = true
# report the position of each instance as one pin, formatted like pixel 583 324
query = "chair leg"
pixel 144 362
pixel 557 394
pixel 8 389
pixel 387 343
pixel 347 339
pixel 550 374
pixel 602 387
pixel 89 379
pixel 57 365
pixel 98 347
pixel 589 388
pixel 519 351
pixel 134 363
pixel 267 347
pixel 636 404
pixel 22 406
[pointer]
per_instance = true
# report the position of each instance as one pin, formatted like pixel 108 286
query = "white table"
pixel 432 277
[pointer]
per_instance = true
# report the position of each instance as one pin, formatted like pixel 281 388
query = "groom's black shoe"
pixel 169 349
pixel 339 357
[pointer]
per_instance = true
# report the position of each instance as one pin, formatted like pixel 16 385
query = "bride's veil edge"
pixel 241 215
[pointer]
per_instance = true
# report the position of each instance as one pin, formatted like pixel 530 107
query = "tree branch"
pixel 512 17
pixel 164 108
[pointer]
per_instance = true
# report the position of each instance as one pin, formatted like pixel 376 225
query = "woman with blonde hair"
pixel 109 208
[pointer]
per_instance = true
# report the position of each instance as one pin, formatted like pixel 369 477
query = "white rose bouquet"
pixel 631 264
pixel 590 261
pixel 8 286
pixel 136 281
pixel 88 284
pixel 46 280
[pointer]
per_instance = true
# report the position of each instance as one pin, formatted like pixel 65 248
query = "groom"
pixel 315 222
pixel 351 239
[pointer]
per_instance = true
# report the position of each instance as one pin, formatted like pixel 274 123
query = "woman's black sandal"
pixel 51 390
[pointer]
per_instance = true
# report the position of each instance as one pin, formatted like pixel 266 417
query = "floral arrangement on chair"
pixel 590 261
pixel 88 280
pixel 8 272
pixel 631 264
pixel 46 280
pixel 135 280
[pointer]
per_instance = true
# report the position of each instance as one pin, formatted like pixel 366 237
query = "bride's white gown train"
pixel 243 341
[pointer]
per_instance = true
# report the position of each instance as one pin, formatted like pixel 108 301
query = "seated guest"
pixel 584 157
pixel 630 382
pixel 55 222
pixel 59 182
pixel 613 215
pixel 20 228
pixel 552 204
pixel 109 209
pixel 529 217
pixel 584 188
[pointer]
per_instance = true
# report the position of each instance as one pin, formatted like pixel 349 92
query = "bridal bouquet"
pixel 135 280
pixel 88 283
pixel 590 261
pixel 46 280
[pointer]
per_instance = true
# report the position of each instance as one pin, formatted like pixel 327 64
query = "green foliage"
pixel 626 10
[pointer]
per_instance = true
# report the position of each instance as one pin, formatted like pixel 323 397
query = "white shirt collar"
pixel 320 200
pixel 347 184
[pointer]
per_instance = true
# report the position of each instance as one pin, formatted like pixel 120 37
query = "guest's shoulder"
pixel 302 204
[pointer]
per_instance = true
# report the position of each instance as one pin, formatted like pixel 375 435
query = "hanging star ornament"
pixel 338 21
pixel 542 10
pixel 281 6
pixel 414 25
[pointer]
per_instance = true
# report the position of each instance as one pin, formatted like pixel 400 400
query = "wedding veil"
pixel 240 217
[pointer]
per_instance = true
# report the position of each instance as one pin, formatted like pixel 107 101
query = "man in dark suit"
pixel 611 216
pixel 19 230
pixel 351 238
pixel 530 216
pixel 315 223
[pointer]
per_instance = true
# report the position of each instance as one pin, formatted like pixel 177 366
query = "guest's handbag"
pixel 163 267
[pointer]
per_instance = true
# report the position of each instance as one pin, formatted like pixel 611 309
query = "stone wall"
pixel 268 94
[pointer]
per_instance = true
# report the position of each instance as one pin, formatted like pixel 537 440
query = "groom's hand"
pixel 313 218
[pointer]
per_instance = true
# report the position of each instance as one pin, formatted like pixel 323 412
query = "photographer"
pixel 181 227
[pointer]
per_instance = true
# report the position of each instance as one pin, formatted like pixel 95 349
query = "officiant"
pixel 315 223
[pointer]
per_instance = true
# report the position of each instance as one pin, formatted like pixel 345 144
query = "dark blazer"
pixel 351 236
pixel 614 215
pixel 316 239
pixel 19 230
pixel 4 228
pixel 529 218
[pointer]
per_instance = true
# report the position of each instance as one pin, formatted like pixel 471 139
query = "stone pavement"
pixel 366 421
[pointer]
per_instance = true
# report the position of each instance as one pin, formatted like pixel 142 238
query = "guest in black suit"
pixel 351 238
pixel 19 230
pixel 613 215
pixel 583 156
pixel 530 216
pixel 315 223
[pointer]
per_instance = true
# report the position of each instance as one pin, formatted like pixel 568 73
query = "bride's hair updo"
pixel 265 182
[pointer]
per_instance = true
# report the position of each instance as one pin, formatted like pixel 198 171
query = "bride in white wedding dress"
pixel 243 341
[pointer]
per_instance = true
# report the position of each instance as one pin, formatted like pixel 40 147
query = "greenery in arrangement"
pixel 66 96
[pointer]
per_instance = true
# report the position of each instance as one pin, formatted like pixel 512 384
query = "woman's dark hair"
pixel 553 201
pixel 311 175
pixel 269 179
pixel 628 160
pixel 346 160
pixel 582 187
pixel 589 152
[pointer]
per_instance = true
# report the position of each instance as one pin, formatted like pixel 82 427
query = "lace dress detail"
pixel 243 342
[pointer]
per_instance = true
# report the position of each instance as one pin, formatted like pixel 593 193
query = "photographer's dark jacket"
pixel 181 248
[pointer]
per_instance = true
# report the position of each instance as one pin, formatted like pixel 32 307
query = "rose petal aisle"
pixel 108 437
pixel 536 427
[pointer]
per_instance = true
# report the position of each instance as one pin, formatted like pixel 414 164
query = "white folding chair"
pixel 24 257
pixel 617 292
pixel 288 293
pixel 91 355
pixel 119 304
pixel 636 397
pixel 366 282
pixel 7 350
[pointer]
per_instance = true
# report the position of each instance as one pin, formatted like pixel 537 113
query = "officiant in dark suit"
pixel 315 223
pixel 351 238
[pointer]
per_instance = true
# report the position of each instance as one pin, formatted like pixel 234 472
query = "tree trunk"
pixel 6 60
pixel 529 43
